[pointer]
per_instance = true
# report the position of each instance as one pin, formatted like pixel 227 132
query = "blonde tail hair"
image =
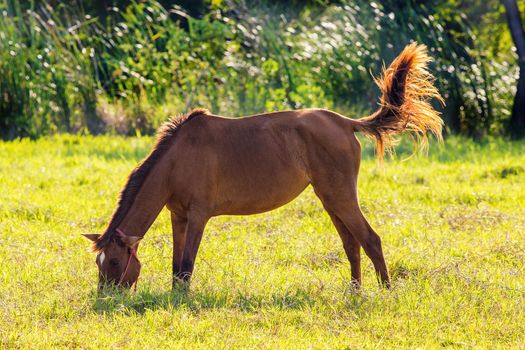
pixel 407 88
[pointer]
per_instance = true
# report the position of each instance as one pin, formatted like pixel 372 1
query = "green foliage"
pixel 452 236
pixel 63 70
pixel 48 71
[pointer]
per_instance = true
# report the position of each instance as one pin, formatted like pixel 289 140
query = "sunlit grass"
pixel 452 224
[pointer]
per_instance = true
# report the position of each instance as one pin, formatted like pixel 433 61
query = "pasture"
pixel 452 225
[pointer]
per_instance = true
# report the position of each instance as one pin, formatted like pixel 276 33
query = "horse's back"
pixel 253 164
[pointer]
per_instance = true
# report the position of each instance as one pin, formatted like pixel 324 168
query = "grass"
pixel 452 227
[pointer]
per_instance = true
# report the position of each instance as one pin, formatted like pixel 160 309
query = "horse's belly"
pixel 262 192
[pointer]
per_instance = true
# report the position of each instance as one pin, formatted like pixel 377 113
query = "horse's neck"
pixel 148 202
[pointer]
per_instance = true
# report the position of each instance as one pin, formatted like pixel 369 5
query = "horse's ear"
pixel 130 241
pixel 92 237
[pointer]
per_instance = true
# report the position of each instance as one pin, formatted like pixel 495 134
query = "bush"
pixel 64 71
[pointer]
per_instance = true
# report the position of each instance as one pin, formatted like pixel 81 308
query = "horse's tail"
pixel 407 88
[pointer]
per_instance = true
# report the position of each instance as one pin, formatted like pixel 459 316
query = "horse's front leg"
pixel 178 224
pixel 194 231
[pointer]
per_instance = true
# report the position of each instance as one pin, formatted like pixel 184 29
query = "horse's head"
pixel 117 260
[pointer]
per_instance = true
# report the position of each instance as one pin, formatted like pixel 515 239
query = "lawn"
pixel 452 224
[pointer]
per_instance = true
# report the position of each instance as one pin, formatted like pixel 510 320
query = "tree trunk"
pixel 517 121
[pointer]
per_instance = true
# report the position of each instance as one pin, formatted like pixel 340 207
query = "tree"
pixel 517 121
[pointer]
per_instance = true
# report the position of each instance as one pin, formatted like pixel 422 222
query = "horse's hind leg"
pixel 340 200
pixel 371 243
pixel 352 249
pixel 354 221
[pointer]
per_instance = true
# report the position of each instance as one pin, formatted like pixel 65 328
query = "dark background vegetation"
pixel 125 66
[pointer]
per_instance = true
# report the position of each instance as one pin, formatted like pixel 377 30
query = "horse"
pixel 204 165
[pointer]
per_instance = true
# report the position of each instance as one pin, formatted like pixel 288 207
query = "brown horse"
pixel 204 165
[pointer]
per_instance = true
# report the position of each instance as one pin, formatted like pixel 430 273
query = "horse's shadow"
pixel 124 302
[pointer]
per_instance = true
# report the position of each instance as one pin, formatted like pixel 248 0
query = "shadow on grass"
pixel 183 297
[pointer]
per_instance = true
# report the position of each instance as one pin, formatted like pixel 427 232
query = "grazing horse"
pixel 205 165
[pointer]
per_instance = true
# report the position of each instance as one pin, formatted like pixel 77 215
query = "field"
pixel 452 224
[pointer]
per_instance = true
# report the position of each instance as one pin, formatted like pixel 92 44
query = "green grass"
pixel 452 225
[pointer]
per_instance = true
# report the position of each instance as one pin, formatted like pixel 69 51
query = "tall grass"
pixel 350 42
pixel 48 70
pixel 64 71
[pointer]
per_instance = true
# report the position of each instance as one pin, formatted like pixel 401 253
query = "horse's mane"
pixel 165 135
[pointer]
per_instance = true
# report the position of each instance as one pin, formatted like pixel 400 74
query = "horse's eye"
pixel 114 262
